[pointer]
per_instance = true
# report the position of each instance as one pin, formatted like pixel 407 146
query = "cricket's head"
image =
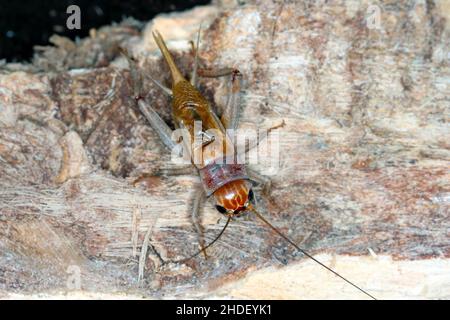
pixel 234 198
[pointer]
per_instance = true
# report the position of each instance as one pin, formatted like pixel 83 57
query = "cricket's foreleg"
pixel 262 180
pixel 199 201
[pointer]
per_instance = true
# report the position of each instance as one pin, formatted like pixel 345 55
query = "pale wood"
pixel 363 180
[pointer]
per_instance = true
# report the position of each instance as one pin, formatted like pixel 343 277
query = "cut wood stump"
pixel 362 178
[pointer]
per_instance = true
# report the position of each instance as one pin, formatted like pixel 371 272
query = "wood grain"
pixel 362 181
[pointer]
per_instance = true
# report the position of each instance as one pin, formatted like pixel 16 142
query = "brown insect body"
pixel 219 171
pixel 220 174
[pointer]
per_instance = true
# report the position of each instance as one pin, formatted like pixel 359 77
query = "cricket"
pixel 225 150
pixel 223 178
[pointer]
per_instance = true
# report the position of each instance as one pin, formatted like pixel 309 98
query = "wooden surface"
pixel 362 182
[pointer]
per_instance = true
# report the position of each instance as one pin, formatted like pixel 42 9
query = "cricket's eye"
pixel 251 196
pixel 221 209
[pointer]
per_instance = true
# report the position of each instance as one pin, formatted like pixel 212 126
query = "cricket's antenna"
pixel 252 209
pixel 209 245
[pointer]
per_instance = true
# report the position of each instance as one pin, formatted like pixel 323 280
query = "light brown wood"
pixel 362 183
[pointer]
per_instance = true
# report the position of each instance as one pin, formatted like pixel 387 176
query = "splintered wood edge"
pixel 379 275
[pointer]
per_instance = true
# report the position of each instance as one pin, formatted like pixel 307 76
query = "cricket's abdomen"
pixel 189 107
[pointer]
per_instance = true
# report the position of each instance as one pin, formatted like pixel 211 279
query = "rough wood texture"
pixel 363 181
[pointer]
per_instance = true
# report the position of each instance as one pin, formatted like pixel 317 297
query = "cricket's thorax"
pixel 219 173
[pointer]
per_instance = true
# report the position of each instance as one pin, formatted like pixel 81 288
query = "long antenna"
pixel 209 245
pixel 252 209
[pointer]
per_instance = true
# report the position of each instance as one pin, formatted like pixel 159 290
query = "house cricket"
pixel 223 178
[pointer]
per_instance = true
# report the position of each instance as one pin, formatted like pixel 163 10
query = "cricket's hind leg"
pixel 136 77
pixel 195 51
pixel 231 109
pixel 230 115
pixel 161 128
pixel 165 89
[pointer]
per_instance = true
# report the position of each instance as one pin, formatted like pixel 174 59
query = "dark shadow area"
pixel 26 23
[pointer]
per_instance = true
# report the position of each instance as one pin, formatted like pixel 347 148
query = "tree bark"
pixel 362 180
